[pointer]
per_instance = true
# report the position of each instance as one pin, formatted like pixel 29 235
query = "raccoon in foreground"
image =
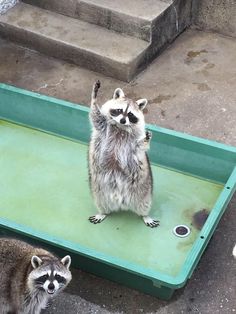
pixel 119 169
pixel 29 277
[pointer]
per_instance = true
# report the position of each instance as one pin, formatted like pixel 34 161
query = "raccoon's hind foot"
pixel 97 218
pixel 151 222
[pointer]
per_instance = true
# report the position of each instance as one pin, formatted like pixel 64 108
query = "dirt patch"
pixel 193 54
pixel 160 98
pixel 203 87
pixel 199 218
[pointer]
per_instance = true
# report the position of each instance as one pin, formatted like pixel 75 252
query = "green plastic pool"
pixel 45 194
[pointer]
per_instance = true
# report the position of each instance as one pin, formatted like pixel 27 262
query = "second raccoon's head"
pixel 49 274
pixel 124 112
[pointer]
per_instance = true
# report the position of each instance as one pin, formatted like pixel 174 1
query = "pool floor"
pixel 44 185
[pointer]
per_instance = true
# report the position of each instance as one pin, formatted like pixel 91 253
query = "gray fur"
pixel 120 173
pixel 19 292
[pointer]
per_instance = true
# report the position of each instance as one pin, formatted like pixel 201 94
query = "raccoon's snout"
pixel 123 120
pixel 51 288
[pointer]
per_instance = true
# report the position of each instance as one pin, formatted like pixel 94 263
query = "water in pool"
pixel 44 185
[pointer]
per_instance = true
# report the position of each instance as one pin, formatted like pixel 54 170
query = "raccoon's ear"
pixel 66 261
pixel 142 103
pixel 118 93
pixel 234 251
pixel 36 261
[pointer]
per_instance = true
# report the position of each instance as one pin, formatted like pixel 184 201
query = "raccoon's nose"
pixel 123 120
pixel 51 286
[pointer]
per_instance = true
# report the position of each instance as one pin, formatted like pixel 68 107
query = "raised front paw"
pixel 96 87
pixel 96 219
pixel 152 223
pixel 148 135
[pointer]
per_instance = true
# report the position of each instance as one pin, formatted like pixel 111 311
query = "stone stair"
pixel 115 38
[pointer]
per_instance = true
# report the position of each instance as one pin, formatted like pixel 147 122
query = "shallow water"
pixel 44 185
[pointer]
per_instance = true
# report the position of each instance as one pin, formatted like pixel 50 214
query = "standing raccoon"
pixel 29 277
pixel 119 169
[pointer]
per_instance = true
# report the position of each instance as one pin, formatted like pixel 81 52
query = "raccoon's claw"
pixel 154 224
pixel 148 135
pixel 97 218
pixel 151 222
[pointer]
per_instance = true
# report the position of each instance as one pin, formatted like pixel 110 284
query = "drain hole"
pixel 228 187
pixel 181 231
pixel 202 237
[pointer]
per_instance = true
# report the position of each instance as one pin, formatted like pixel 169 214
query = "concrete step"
pixel 82 43
pixel 135 18
pixel 157 21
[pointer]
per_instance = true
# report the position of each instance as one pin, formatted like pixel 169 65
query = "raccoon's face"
pixel 124 112
pixel 49 275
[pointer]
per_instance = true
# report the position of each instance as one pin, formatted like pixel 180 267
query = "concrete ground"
pixel 191 88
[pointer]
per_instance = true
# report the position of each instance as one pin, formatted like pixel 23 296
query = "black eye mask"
pixel 132 118
pixel 60 279
pixel 116 112
pixel 42 279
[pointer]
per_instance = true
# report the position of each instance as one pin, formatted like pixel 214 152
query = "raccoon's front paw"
pixel 97 218
pixel 151 222
pixel 148 135
pixel 96 87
